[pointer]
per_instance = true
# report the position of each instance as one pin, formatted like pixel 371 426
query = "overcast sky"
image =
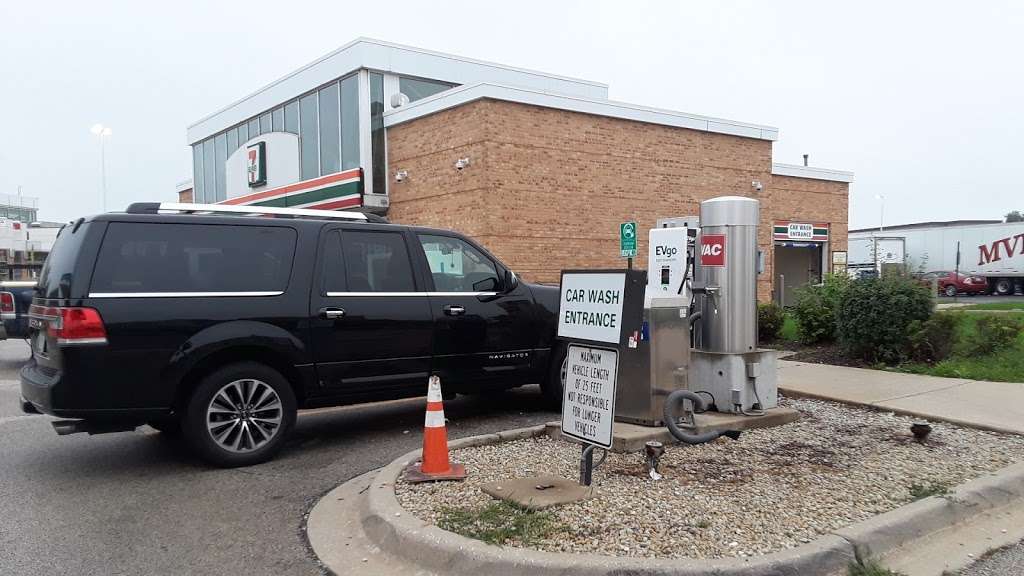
pixel 923 101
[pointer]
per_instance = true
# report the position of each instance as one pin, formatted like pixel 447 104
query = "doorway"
pixel 797 264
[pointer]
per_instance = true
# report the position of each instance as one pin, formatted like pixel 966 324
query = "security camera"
pixel 401 175
pixel 756 184
pixel 461 163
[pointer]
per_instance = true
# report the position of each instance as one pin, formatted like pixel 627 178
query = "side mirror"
pixel 489 284
pixel 511 281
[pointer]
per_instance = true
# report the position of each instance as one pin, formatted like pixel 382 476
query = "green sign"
pixel 627 239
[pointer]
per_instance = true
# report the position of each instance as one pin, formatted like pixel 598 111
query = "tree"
pixel 1015 216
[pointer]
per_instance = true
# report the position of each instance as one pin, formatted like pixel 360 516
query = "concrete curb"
pixel 401 534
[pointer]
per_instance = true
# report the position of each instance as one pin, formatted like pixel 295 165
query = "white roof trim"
pixel 600 107
pixel 809 172
pixel 183 185
pixel 386 57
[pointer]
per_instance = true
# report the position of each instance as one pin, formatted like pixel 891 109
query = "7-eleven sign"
pixel 256 164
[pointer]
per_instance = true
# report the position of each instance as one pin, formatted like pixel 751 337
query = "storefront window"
pixel 377 132
pixel 220 143
pixel 308 137
pixel 197 171
pixel 291 117
pixel 254 128
pixel 232 141
pixel 350 122
pixel 243 134
pixel 209 175
pixel 265 124
pixel 278 120
pixel 418 89
pixel 330 119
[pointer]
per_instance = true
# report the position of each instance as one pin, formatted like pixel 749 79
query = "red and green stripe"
pixel 330 192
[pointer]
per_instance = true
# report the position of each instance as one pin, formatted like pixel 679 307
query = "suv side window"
pixel 457 266
pixel 193 258
pixel 332 265
pixel 377 262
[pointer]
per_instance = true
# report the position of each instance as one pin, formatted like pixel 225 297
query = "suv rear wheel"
pixel 239 415
pixel 553 385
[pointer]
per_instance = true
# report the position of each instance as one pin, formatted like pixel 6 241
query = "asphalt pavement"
pixel 139 503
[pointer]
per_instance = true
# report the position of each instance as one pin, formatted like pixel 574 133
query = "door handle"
pixel 452 310
pixel 332 313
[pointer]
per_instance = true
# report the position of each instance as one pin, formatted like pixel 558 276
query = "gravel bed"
pixel 772 489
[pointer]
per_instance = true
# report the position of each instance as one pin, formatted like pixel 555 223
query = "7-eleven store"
pixel 539 168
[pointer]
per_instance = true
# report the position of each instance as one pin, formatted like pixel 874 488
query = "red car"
pixel 951 283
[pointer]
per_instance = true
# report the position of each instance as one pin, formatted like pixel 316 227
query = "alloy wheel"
pixel 244 415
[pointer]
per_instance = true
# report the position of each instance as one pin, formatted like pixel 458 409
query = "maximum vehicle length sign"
pixel 588 398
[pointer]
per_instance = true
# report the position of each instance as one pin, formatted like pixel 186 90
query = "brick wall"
pixel 546 189
pixel 185 196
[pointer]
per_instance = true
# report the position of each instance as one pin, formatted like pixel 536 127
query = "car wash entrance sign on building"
pixel 588 399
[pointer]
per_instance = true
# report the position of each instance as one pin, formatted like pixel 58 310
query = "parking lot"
pixel 138 503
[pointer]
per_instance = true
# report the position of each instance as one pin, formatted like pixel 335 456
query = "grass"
pixel 919 491
pixel 995 306
pixel 1005 365
pixel 499 523
pixel 870 568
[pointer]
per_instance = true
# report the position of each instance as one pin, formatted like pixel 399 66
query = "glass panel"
pixel 232 141
pixel 330 153
pixel 209 174
pixel 333 266
pixel 377 133
pixel 350 122
pixel 456 266
pixel 243 134
pixel 194 258
pixel 418 89
pixel 278 120
pixel 308 137
pixel 377 262
pixel 265 124
pixel 197 172
pixel 221 144
pixel 291 117
pixel 57 275
pixel 254 128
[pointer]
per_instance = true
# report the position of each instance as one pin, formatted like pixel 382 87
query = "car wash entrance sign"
pixel 588 397
pixel 600 313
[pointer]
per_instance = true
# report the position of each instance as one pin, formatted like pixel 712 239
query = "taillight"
pixel 7 306
pixel 71 326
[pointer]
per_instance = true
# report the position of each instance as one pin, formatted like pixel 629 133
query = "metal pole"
pixel 586 465
pixel 103 170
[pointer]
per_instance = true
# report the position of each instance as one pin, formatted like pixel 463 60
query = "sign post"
pixel 600 313
pixel 627 242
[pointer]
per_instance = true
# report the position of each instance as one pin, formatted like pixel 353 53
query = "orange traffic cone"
pixel 435 464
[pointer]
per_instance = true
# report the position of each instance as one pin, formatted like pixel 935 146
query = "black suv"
pixel 221 326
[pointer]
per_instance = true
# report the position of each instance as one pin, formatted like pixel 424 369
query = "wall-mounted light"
pixel 401 175
pixel 461 163
pixel 756 185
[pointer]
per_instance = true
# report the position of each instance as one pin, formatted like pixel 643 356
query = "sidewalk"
pixel 997 406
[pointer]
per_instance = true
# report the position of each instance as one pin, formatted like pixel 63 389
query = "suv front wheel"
pixel 240 414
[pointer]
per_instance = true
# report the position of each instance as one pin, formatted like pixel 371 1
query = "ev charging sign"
pixel 712 250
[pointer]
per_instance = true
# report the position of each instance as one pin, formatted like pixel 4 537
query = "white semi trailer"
pixel 992 250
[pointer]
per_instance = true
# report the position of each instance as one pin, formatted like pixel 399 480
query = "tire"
pixel 1003 287
pixel 552 386
pixel 239 415
pixel 950 290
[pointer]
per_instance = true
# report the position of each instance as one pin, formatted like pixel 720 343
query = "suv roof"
pixel 251 211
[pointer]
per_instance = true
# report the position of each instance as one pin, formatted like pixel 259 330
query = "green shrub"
pixel 932 340
pixel 815 309
pixel 770 318
pixel 875 316
pixel 992 333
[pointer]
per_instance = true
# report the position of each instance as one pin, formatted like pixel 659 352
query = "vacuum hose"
pixel 674 403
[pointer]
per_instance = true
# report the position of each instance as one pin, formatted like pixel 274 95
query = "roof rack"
pixel 186 208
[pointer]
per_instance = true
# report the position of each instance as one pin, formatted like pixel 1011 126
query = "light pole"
pixel 102 132
pixel 881 211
